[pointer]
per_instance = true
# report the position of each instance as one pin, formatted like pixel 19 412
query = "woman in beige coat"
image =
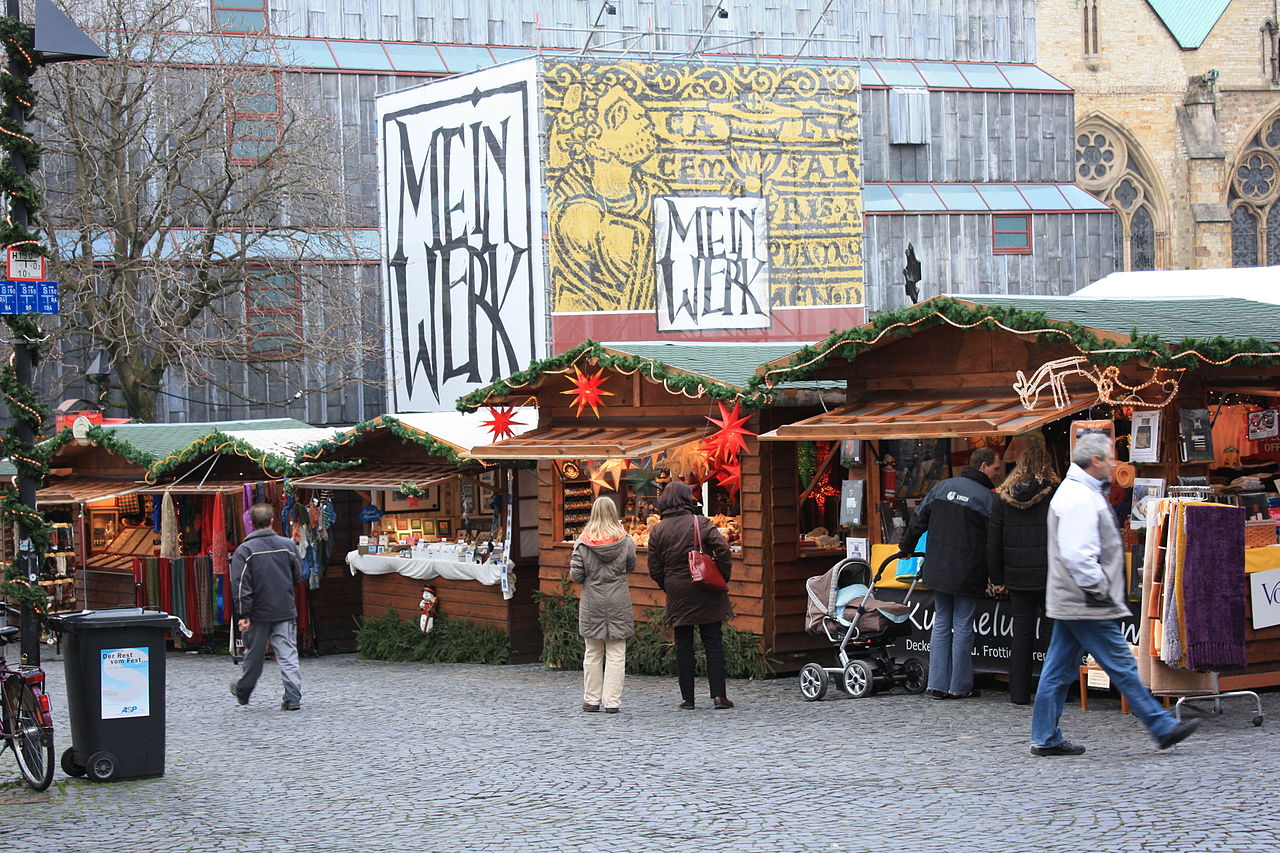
pixel 602 556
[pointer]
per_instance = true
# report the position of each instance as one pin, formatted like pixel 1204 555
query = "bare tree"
pixel 202 194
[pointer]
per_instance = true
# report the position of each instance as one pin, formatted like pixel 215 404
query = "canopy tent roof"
pixel 446 434
pixel 950 416
pixel 83 490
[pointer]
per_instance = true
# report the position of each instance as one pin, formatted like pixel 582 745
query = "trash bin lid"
pixel 124 617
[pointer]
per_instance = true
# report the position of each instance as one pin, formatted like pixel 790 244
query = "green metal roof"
pixel 1189 21
pixel 160 440
pixel 732 364
pixel 1173 320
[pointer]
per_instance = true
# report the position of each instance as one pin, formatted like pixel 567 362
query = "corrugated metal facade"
pixel 979 30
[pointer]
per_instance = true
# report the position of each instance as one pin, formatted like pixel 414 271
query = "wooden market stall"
pixel 643 424
pixel 402 485
pixel 926 385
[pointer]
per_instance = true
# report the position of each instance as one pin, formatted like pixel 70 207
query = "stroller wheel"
pixel 814 682
pixel 914 676
pixel 859 679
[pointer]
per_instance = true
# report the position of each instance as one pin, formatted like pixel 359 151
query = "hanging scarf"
pixel 169 541
pixel 218 537
pixel 246 502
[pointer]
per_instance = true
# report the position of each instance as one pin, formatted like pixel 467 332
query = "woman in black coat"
pixel 1018 556
pixel 688 604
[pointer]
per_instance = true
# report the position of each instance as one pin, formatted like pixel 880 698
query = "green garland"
pixel 656 371
pixel 27 411
pixel 847 344
pixel 397 428
pixel 220 442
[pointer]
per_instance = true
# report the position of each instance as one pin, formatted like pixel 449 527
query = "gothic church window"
pixel 1254 200
pixel 1089 10
pixel 1111 168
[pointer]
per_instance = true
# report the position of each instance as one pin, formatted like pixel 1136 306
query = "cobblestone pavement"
pixel 450 757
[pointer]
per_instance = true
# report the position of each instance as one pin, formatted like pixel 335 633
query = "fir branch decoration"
pixel 220 442
pixel 25 408
pixel 673 379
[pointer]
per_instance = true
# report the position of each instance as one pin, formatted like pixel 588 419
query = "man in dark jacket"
pixel 264 571
pixel 955 513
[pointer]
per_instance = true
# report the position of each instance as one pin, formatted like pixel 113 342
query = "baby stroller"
pixel 842 606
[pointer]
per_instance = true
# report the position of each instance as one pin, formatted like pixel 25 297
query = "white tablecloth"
pixel 425 568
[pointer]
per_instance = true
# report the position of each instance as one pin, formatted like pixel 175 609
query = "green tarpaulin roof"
pixel 1189 21
pixel 732 364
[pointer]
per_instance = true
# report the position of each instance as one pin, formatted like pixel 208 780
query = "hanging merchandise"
pixel 1144 437
pixel 730 439
pixel 587 390
pixel 1264 423
pixel 218 551
pixel 1195 435
pixel 170 544
pixel 1230 431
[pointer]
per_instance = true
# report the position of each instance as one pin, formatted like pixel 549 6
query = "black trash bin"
pixel 114 661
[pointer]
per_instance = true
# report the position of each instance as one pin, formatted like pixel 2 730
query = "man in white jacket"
pixel 1086 598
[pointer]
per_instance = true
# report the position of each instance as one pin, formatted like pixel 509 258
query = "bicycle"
pixel 26 720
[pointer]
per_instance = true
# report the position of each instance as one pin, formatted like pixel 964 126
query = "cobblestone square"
pixel 453 757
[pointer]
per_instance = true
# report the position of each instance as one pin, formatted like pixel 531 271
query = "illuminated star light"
pixel 587 390
pixel 500 423
pixel 731 438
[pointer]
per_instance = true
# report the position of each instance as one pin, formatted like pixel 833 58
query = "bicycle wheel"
pixel 32 743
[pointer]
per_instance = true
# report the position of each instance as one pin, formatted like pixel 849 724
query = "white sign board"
pixel 462 234
pixel 712 260
pixel 126 683
pixel 24 266
pixel 1265 588
pixel 856 548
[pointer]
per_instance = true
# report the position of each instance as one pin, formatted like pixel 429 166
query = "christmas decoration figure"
pixel 500 423
pixel 587 390
pixel 430 603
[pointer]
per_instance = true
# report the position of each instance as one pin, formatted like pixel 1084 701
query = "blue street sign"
pixel 48 297
pixel 26 297
pixel 29 297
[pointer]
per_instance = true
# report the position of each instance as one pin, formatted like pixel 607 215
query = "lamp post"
pixel 57 39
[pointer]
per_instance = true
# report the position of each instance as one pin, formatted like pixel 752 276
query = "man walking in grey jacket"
pixel 264 571
pixel 1085 598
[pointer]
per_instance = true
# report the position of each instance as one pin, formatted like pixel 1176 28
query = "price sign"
pixel 24 266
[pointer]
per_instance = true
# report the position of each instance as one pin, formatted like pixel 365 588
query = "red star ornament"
pixel 587 390
pixel 500 423
pixel 730 440
pixel 729 475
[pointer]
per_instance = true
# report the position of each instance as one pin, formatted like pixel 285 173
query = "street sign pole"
pixel 23 366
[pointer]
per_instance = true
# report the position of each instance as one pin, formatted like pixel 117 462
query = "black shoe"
pixel 970 695
pixel 1019 701
pixel 586 706
pixel 236 693
pixel 686 705
pixel 1181 732
pixel 286 705
pixel 612 710
pixel 1066 747
pixel 939 694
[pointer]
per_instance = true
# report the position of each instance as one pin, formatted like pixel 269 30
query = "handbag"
pixel 702 568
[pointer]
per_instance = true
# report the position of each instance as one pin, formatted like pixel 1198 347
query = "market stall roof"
pixel 374 477
pixel 718 371
pixel 82 490
pixel 1178 332
pixel 952 416
pixel 445 434
pixel 594 441
pixel 1254 283
pixel 195 487
pixel 1172 320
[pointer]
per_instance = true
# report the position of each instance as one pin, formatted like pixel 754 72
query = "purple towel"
pixel 1214 586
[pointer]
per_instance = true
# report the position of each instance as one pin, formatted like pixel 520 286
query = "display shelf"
pixel 575 503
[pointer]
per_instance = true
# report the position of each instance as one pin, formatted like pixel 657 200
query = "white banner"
pixel 712 257
pixel 462 234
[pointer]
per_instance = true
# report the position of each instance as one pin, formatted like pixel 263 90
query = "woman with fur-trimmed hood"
pixel 1018 556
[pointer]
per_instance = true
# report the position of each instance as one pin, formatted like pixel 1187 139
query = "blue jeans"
pixel 951 644
pixel 1103 639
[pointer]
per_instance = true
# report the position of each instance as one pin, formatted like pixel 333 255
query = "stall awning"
pixel 590 442
pixel 378 477
pixel 84 491
pixel 195 487
pixel 951 417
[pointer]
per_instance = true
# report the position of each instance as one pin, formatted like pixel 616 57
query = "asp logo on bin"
pixel 126 684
